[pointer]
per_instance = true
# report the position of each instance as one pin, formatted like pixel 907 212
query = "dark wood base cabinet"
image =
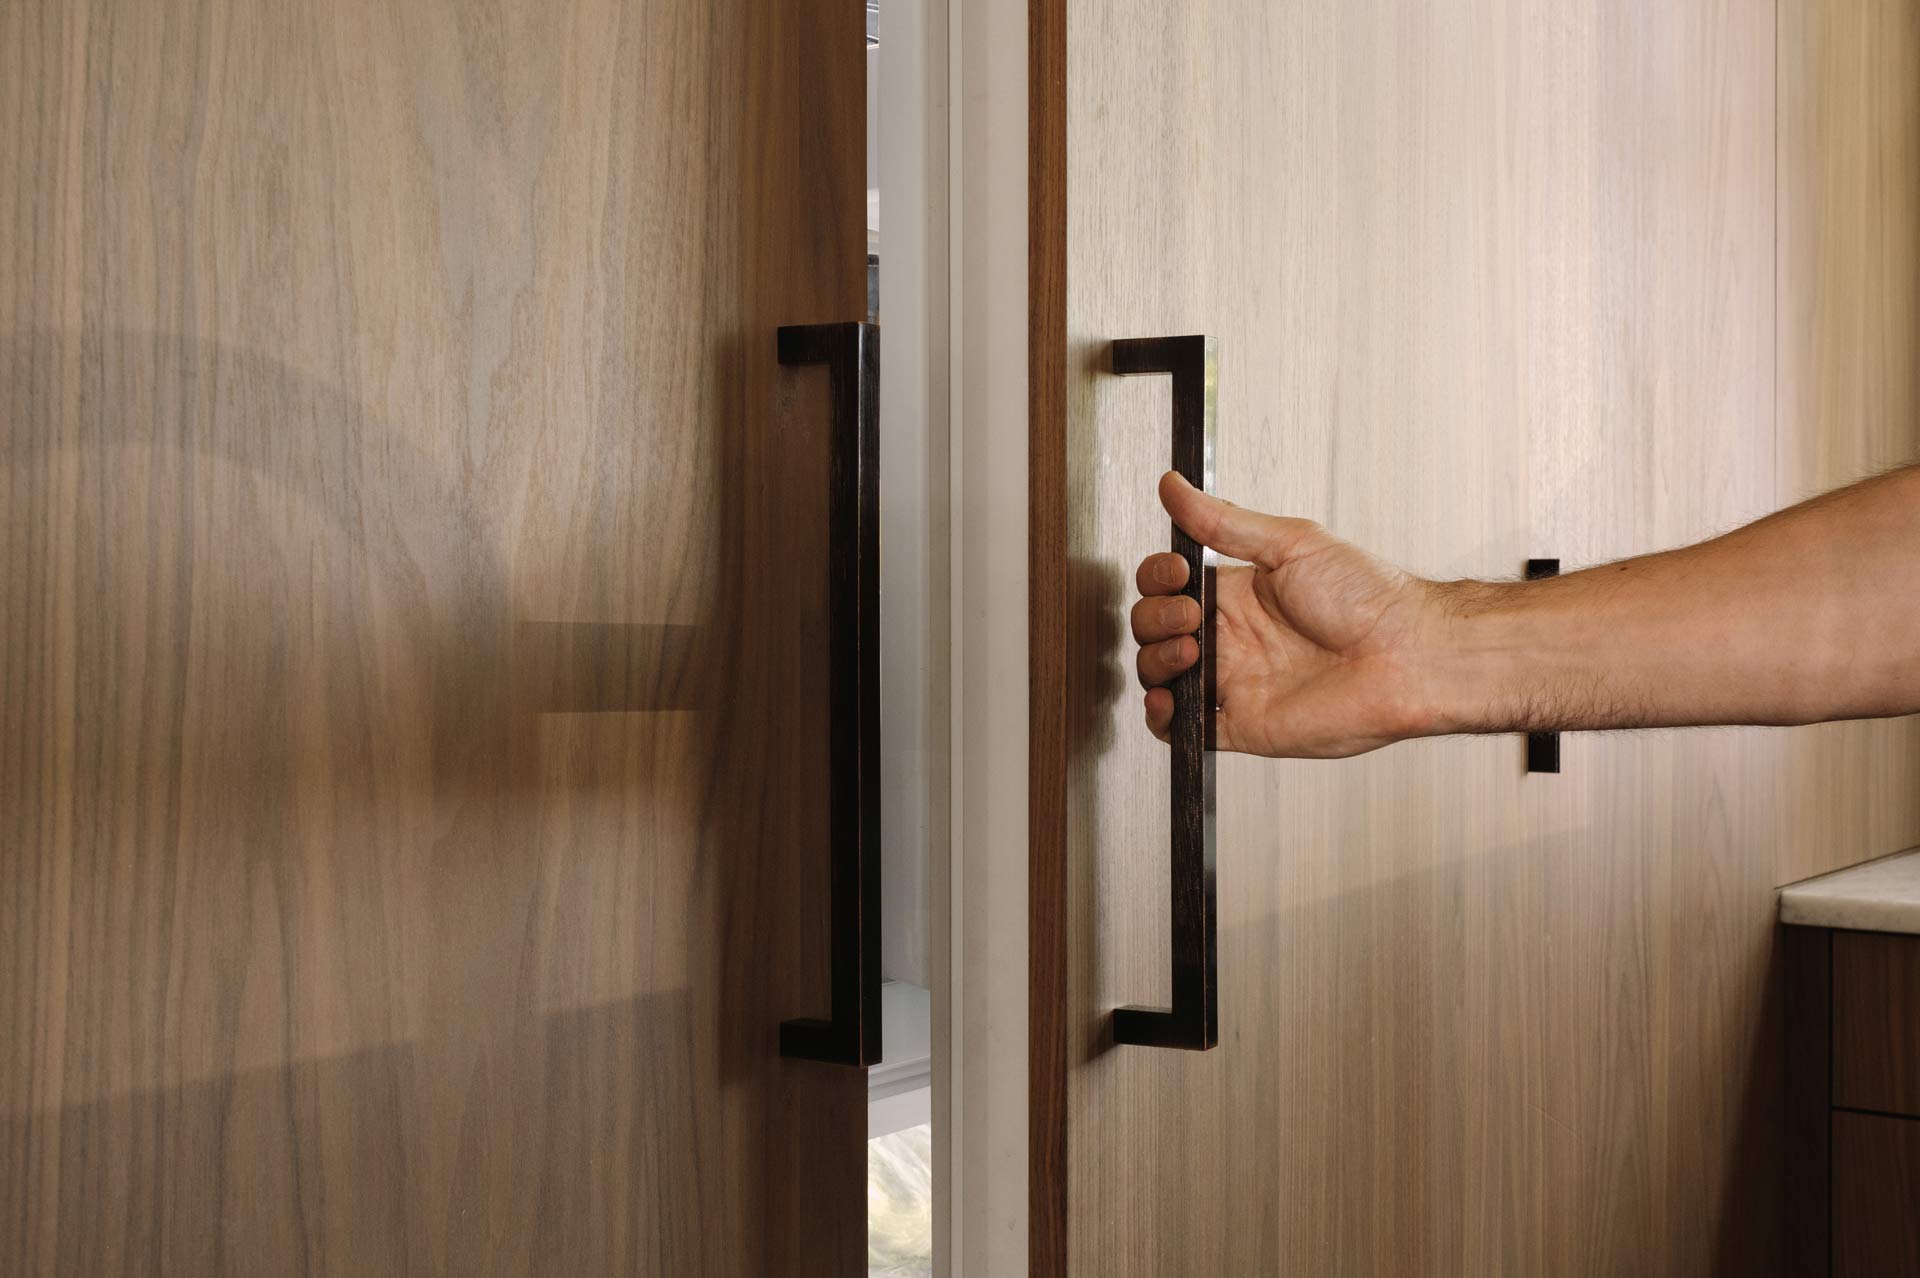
pixel 1853 1096
pixel 1876 1194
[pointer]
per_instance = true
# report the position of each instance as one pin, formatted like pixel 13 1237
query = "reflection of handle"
pixel 1193 1022
pixel 1543 748
pixel 851 1036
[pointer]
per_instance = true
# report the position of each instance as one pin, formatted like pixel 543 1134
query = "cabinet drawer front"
pixel 1876 1195
pixel 1876 1022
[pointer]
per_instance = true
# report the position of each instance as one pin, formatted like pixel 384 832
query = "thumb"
pixel 1267 540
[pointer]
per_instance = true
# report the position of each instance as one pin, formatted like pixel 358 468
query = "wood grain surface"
pixel 1848 381
pixel 1876 1196
pixel 405 855
pixel 1806 963
pixel 1876 1022
pixel 1052 661
pixel 1489 281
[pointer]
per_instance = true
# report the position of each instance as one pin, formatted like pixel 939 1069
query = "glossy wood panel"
pixel 405 855
pixel 1876 1022
pixel 1490 281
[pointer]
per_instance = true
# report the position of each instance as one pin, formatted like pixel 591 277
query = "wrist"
pixel 1476 648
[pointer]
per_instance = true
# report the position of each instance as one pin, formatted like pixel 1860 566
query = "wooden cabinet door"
pixel 413 588
pixel 1488 282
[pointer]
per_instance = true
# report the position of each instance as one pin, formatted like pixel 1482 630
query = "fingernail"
pixel 1174 613
pixel 1174 649
pixel 1166 573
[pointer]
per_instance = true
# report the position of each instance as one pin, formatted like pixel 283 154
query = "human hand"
pixel 1316 643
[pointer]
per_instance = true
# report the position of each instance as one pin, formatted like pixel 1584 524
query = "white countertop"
pixel 1880 896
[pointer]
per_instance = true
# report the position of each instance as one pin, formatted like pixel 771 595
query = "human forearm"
pixel 1810 614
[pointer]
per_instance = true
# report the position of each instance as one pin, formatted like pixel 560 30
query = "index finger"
pixel 1161 574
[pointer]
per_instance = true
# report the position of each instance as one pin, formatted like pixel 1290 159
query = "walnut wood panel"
pixel 1876 1022
pixel 1876 1196
pixel 1055 668
pixel 1849 386
pixel 1807 976
pixel 405 863
pixel 1486 278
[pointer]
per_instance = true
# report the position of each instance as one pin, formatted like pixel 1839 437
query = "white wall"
pixel 988 1147
pixel 912 582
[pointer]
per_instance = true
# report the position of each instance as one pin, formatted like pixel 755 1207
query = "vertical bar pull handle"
pixel 1543 748
pixel 851 352
pixel 1193 1022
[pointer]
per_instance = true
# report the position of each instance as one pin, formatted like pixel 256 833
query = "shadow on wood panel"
pixel 1095 605
pixel 310 1167
pixel 333 929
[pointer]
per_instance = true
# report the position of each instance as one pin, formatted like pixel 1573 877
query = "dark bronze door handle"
pixel 1543 748
pixel 1193 1022
pixel 851 351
